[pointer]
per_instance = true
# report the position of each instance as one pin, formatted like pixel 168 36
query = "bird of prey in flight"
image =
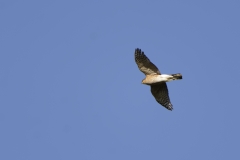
pixel 155 79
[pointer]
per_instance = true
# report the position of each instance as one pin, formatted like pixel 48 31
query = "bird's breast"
pixel 151 79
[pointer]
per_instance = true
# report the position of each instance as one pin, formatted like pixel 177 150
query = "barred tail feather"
pixel 177 76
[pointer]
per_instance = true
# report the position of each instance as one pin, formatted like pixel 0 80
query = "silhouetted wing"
pixel 160 92
pixel 144 64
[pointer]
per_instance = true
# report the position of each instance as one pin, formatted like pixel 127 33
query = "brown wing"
pixel 144 64
pixel 160 92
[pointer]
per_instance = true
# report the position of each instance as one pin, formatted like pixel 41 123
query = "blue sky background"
pixel 70 88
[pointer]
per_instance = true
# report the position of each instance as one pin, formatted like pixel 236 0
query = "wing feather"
pixel 160 93
pixel 144 64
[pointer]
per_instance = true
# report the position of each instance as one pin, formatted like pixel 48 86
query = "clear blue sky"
pixel 70 88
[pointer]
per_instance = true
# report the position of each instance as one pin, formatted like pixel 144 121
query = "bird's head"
pixel 145 82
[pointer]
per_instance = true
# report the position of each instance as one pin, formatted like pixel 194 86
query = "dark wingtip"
pixel 138 50
pixel 169 107
pixel 138 54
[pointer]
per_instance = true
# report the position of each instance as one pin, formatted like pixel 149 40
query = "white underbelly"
pixel 156 79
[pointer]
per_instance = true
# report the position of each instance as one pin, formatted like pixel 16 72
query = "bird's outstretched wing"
pixel 160 92
pixel 144 64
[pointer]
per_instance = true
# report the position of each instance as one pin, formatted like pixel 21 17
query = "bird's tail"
pixel 177 76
